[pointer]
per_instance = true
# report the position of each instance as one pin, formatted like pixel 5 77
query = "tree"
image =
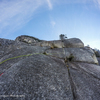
pixel 62 37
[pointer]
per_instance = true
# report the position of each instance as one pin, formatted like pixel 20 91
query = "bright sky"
pixel 47 19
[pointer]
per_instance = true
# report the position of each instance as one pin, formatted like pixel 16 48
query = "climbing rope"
pixel 16 57
pixel 23 56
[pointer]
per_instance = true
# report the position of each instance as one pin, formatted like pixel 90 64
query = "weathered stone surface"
pixel 58 44
pixel 27 39
pixel 73 42
pixel 56 52
pixel 68 43
pixel 47 70
pixel 97 53
pixel 10 48
pixel 22 50
pixel 5 42
pixel 38 77
pixel 98 58
pixel 53 44
pixel 82 55
pixel 85 81
pixel 79 54
pixel 46 43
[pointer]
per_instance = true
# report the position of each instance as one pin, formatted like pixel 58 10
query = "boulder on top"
pixel 73 42
pixel 67 43
pixel 27 39
pixel 46 43
pixel 53 44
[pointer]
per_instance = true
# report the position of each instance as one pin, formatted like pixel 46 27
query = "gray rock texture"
pixel 66 43
pixel 33 69
pixel 38 77
pixel 97 53
pixel 27 39
pixel 6 42
pixel 73 42
pixel 98 58
pixel 85 80
pixel 79 54
pixel 53 44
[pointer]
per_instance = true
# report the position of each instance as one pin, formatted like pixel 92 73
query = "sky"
pixel 47 19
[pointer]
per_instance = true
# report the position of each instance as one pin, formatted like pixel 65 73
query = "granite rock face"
pixel 27 39
pixel 97 53
pixel 6 42
pixel 53 44
pixel 98 58
pixel 79 54
pixel 85 80
pixel 73 42
pixel 38 77
pixel 67 43
pixel 48 70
